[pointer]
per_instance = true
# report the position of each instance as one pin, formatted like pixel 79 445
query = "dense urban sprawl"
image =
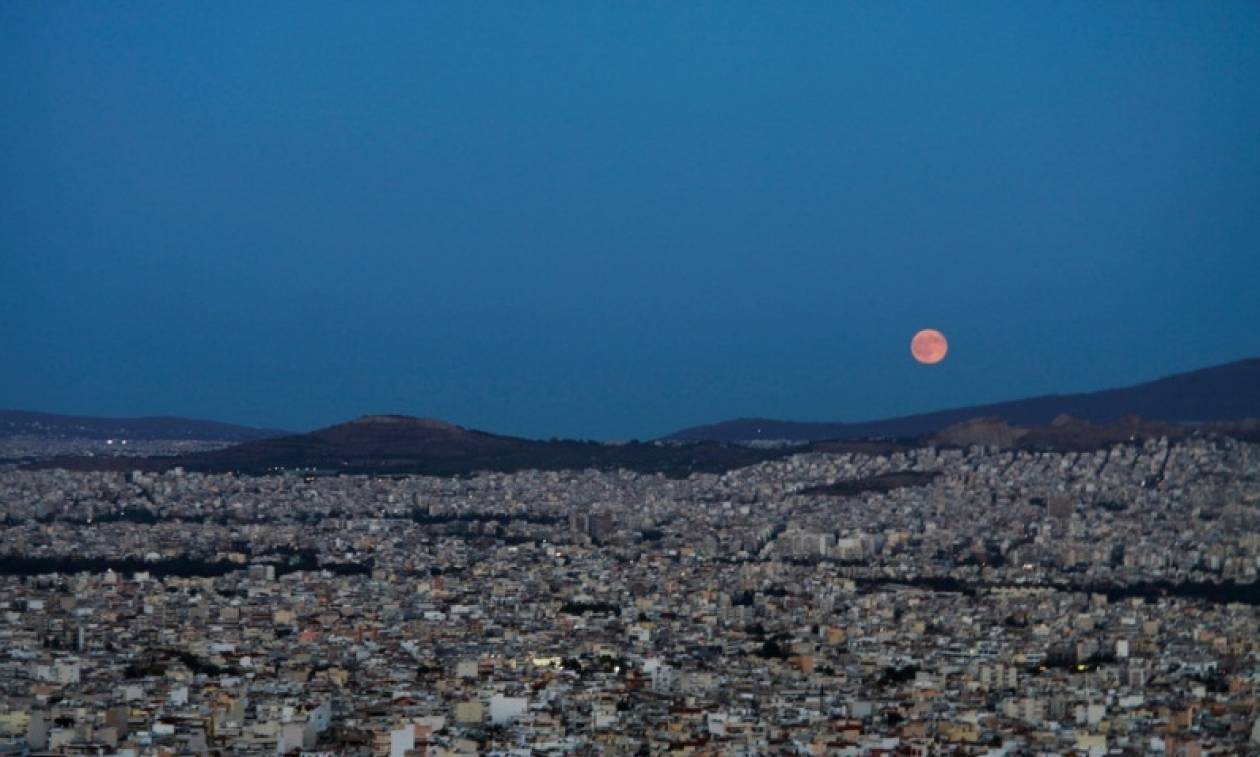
pixel 983 602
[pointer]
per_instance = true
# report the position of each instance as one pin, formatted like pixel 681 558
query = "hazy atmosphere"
pixel 611 222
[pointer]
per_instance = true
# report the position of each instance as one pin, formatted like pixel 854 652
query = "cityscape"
pixel 970 601
pixel 653 379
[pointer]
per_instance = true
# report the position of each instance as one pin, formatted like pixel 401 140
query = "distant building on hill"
pixel 596 525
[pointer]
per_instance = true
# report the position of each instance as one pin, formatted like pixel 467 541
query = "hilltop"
pixel 396 444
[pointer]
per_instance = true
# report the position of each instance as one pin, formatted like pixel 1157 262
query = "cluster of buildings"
pixel 21 447
pixel 1016 603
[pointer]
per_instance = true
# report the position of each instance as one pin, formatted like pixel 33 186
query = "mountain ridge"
pixel 1220 393
pixel 402 445
pixel 1217 399
pixel 153 427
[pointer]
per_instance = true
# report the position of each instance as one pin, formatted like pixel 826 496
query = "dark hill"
pixel 52 425
pixel 1066 433
pixel 1223 393
pixel 391 444
pixel 377 442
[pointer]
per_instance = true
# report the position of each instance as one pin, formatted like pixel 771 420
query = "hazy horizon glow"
pixel 584 220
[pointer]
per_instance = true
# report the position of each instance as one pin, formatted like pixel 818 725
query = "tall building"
pixel 1061 506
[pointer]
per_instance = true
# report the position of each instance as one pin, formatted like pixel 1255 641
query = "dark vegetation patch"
pixel 582 608
pixel 155 663
pixel 183 567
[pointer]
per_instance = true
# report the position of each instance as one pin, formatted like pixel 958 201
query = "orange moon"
pixel 929 346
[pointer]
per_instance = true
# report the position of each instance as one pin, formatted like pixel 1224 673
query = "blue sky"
pixel 614 220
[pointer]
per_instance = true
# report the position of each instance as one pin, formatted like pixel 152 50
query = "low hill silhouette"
pixel 1213 400
pixel 395 444
pixel 53 425
pixel 1220 394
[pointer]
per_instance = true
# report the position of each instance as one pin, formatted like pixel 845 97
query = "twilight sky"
pixel 613 220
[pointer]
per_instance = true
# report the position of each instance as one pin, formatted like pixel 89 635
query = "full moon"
pixel 929 346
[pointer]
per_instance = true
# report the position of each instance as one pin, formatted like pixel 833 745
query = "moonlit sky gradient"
pixel 615 220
